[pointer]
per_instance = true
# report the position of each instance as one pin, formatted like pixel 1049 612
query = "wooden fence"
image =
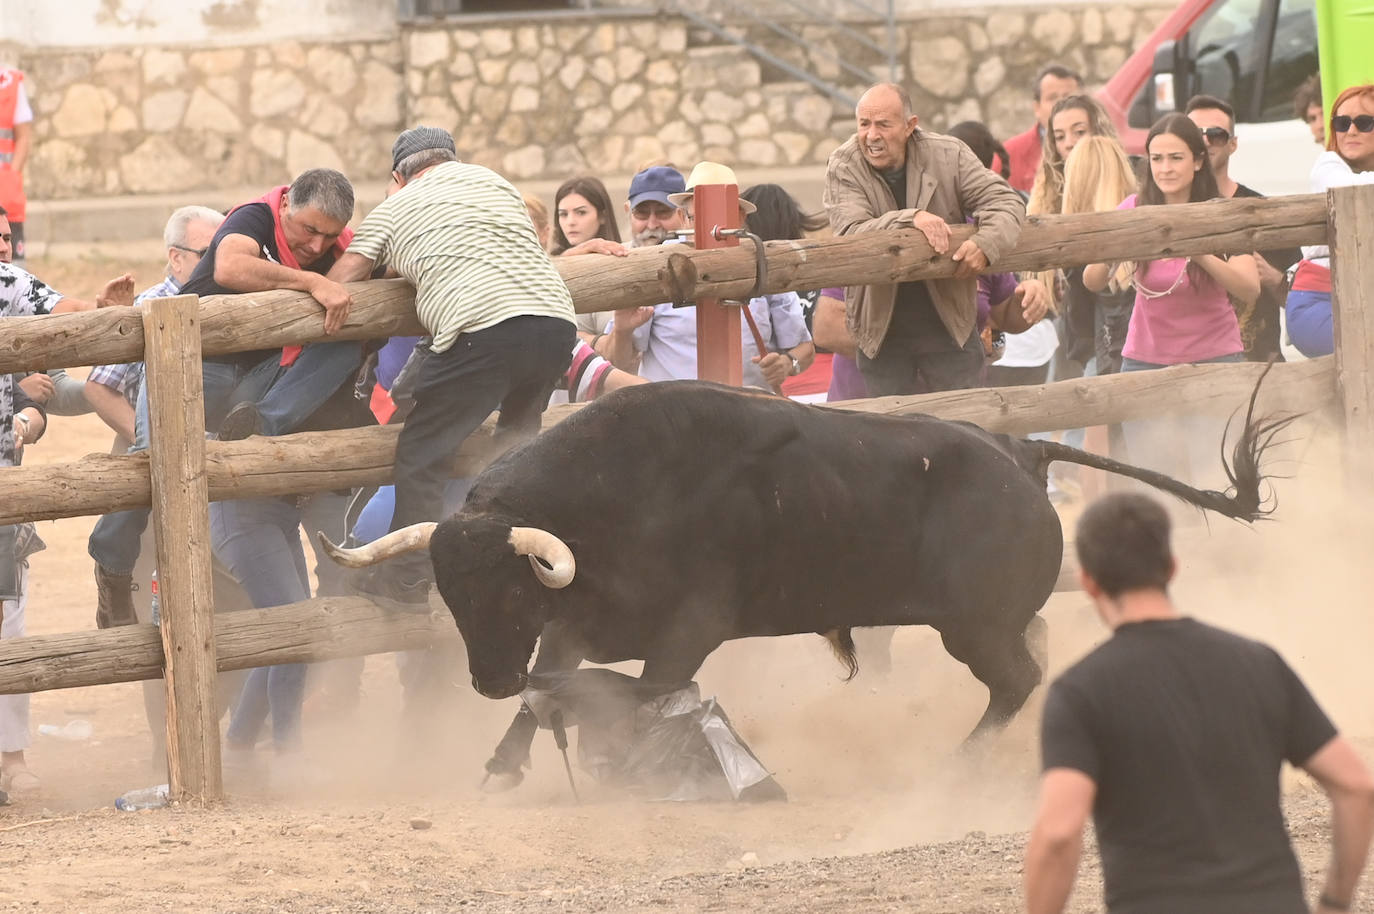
pixel 182 472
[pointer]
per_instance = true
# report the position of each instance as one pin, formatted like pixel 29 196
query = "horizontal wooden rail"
pixel 323 628
pixel 321 461
pixel 382 308
pixel 318 629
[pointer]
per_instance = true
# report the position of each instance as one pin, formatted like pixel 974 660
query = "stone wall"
pixel 533 98
pixel 153 120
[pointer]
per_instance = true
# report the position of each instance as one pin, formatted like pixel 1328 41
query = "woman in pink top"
pixel 1182 309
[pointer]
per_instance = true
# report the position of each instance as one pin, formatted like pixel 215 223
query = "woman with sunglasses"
pixel 1182 312
pixel 1348 160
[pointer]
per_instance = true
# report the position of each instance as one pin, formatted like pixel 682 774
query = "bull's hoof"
pixel 502 781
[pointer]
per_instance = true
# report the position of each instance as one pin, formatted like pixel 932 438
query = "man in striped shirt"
pixel 499 317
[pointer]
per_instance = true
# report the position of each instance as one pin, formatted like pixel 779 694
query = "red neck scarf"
pixel 273 199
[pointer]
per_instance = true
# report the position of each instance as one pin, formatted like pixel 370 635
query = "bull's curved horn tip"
pixel 331 549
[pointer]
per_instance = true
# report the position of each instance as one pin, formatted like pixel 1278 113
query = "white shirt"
pixel 1330 170
pixel 668 340
pixel 1031 348
pixel 23 114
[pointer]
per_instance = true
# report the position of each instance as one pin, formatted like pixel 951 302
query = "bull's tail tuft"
pixel 842 643
pixel 1248 498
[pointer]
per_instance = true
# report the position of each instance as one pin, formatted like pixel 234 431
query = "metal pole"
pixel 720 351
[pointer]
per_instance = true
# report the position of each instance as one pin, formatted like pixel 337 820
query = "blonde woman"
pixel 1097 177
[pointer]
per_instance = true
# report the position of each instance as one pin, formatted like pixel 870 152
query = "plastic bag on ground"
pixel 659 740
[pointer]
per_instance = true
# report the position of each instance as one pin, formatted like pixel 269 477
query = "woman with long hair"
pixel 584 223
pixel 1071 119
pixel 1097 177
pixel 777 216
pixel 1348 160
pixel 585 219
pixel 1182 312
pixel 985 146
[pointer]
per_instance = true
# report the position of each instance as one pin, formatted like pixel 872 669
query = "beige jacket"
pixel 942 177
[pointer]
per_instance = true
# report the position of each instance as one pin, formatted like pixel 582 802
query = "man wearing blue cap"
pixel 653 219
pixel 653 216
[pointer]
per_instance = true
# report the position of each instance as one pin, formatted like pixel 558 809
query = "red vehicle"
pixel 1252 53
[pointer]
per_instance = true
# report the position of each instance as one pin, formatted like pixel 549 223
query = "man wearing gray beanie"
pixel 498 315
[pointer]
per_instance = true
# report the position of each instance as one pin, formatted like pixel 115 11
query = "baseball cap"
pixel 656 183
pixel 418 139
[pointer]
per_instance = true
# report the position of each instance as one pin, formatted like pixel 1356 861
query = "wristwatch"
pixel 796 366
pixel 20 417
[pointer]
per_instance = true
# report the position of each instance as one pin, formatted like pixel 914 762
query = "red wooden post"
pixel 720 351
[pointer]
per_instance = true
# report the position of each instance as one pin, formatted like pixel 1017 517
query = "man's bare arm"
pixel 110 405
pixel 1056 841
pixel 239 265
pixel 1346 780
pixel 352 267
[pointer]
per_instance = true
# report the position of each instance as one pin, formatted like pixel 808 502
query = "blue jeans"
pixel 1185 447
pixel 259 541
pixel 1308 316
pixel 417 670
pixel 285 398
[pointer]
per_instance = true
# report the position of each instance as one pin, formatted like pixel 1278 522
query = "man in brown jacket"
pixel 891 175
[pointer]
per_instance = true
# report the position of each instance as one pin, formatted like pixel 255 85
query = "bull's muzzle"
pixel 487 689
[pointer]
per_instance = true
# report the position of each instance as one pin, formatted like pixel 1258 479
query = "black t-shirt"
pixel 914 320
pixel 1184 728
pixel 255 221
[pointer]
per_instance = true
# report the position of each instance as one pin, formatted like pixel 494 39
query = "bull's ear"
pixel 550 557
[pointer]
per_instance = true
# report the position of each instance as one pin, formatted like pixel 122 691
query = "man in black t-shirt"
pixel 288 239
pixel 1259 322
pixel 1172 734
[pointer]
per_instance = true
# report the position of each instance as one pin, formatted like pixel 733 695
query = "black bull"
pixel 696 514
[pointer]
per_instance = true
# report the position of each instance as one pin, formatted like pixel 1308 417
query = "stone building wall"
pixel 535 99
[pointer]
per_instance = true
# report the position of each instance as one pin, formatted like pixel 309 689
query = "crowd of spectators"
pixel 501 333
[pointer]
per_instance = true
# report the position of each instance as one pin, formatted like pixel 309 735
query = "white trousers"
pixel 14 709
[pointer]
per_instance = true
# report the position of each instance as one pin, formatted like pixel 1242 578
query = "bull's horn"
pixel 407 539
pixel 541 544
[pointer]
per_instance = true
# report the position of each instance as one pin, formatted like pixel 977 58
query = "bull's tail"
pixel 1247 498
pixel 842 643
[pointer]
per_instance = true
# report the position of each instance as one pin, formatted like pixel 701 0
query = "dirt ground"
pixel 885 812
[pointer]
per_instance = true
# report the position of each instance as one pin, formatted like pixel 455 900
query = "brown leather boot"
pixel 114 601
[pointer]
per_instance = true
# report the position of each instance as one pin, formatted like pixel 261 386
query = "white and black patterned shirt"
pixel 21 294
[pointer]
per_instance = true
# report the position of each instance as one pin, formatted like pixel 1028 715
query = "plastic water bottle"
pixel 74 732
pixel 156 608
pixel 146 798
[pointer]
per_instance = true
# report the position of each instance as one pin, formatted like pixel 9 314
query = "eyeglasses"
pixel 1342 123
pixel 199 252
pixel 1217 136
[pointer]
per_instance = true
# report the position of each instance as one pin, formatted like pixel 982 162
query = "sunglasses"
pixel 1217 136
pixel 1342 123
pixel 199 252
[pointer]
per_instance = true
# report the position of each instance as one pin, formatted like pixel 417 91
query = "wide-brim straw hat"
pixel 710 173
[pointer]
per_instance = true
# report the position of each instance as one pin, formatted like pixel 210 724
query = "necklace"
pixel 1148 293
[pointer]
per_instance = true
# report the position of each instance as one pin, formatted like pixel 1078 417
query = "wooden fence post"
pixel 181 518
pixel 1351 214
